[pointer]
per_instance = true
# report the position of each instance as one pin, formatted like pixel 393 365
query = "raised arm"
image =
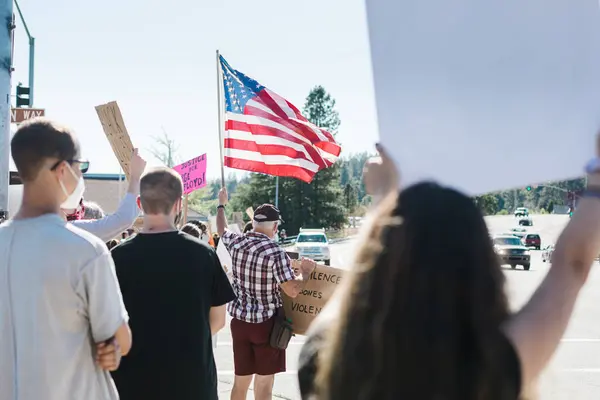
pixel 537 328
pixel 381 176
pixel 110 226
pixel 221 218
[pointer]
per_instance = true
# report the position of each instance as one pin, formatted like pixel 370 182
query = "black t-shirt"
pixel 507 384
pixel 169 283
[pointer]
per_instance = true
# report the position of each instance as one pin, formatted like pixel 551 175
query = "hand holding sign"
pixel 306 267
pixel 380 174
pixel 137 165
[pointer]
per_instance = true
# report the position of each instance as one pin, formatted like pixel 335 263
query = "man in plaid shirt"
pixel 261 269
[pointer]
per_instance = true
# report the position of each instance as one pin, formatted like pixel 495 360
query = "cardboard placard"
pixel 484 96
pixel 317 291
pixel 116 133
pixel 238 219
pixel 225 259
pixel 193 173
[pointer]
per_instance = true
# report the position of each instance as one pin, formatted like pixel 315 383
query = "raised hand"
pixel 223 197
pixel 137 165
pixel 380 174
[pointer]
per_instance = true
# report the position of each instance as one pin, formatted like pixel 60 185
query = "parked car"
pixel 521 212
pixel 547 253
pixel 510 250
pixel 520 235
pixel 525 222
pixel 532 240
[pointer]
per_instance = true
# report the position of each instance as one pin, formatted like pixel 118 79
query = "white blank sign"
pixel 487 95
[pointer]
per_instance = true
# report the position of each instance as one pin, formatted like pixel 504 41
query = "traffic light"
pixel 22 96
pixel 528 188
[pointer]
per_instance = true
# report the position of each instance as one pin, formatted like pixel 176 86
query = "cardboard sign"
pixel 238 219
pixel 116 133
pixel 193 173
pixel 235 228
pixel 225 259
pixel 303 309
pixel 485 95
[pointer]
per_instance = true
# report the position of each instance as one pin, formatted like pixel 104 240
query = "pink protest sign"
pixel 193 173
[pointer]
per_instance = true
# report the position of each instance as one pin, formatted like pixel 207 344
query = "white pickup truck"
pixel 313 244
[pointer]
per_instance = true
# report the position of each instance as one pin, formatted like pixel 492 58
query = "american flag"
pixel 266 133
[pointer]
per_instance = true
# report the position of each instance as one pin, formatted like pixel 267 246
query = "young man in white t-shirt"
pixel 60 301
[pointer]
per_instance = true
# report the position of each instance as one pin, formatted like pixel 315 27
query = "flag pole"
pixel 220 112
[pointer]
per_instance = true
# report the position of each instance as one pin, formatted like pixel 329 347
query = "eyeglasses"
pixel 84 165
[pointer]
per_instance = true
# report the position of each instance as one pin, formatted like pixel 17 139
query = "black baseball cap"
pixel 267 213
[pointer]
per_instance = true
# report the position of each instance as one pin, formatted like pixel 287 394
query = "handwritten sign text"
pixel 193 173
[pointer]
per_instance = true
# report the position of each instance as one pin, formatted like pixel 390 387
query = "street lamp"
pixel 31 53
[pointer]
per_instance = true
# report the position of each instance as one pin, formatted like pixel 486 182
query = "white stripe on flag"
pixel 268 140
pixel 316 130
pixel 254 120
pixel 280 101
pixel 262 107
pixel 270 159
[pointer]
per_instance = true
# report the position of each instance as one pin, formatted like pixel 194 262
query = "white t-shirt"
pixel 58 296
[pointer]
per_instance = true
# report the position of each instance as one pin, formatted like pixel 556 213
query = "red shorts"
pixel 252 353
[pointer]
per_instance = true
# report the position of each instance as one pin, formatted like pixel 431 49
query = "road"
pixel 574 371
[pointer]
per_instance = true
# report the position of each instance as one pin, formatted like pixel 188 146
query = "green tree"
pixel 350 198
pixel 324 193
pixel 487 203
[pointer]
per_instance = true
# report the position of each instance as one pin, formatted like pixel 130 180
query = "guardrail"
pixel 288 241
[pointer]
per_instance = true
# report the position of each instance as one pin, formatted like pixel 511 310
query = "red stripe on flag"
pixel 274 132
pixel 294 126
pixel 264 98
pixel 275 170
pixel 266 149
pixel 288 123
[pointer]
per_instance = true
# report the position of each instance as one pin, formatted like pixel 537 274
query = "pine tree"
pixel 324 198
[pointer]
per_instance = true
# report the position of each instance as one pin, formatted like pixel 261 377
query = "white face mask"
pixel 73 199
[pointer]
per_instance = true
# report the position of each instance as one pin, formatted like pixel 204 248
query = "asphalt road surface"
pixel 575 369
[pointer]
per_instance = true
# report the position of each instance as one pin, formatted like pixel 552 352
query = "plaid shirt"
pixel 259 267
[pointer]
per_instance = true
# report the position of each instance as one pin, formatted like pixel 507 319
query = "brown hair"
pixel 112 243
pixel 160 189
pixel 421 311
pixel 191 229
pixel 37 140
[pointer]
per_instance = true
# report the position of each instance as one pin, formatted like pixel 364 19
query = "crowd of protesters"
pixel 422 314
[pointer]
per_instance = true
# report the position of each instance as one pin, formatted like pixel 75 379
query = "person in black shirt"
pixel 175 290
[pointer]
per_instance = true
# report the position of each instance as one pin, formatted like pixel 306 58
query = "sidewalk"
pixel 226 384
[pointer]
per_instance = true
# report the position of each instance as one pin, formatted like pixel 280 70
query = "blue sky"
pixel 158 62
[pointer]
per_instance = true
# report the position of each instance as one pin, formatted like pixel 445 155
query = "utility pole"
pixel 31 53
pixel 6 29
pixel 276 192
